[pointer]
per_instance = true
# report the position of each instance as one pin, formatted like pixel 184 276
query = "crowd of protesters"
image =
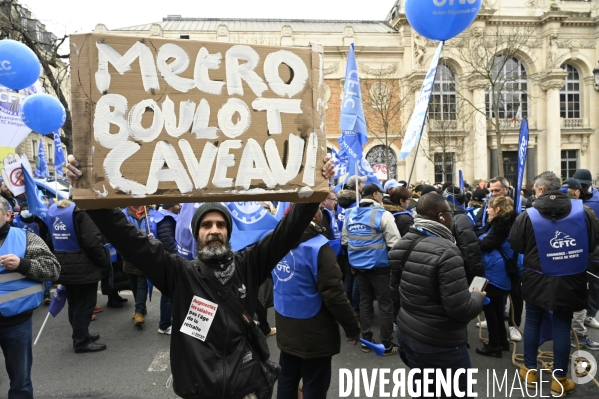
pixel 414 250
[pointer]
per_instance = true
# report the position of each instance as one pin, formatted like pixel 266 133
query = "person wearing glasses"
pixel 330 223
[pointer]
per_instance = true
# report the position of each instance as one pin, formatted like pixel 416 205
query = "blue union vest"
pixel 18 294
pixel 563 245
pixel 61 227
pixel 295 281
pixel 31 227
pixel 366 245
pixel 334 242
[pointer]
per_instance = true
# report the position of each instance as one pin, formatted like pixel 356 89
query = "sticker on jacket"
pixel 199 318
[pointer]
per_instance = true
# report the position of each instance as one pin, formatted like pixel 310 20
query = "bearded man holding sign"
pixel 212 355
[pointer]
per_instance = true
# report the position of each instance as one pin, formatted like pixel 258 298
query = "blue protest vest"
pixel 31 227
pixel 334 242
pixel 367 248
pixel 403 213
pixel 186 244
pixel 593 202
pixel 295 280
pixel 18 294
pixel 142 223
pixel 165 213
pixel 563 245
pixel 62 229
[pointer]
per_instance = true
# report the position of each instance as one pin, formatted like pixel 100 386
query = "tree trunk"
pixel 497 134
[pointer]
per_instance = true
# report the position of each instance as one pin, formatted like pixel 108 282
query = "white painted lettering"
pixel 225 118
pixel 237 72
pixel 225 160
pixel 171 71
pixel 273 108
pixel 271 73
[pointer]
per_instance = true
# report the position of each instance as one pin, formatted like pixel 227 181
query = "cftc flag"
pixel 353 124
pixel 340 164
pixel 251 222
pixel 414 130
pixel 58 301
pixel 59 160
pixel 35 198
pixel 522 153
pixel 41 166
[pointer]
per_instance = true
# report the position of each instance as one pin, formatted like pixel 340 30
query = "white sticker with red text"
pixel 199 318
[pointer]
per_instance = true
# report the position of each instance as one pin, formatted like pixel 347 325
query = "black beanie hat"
pixel 207 207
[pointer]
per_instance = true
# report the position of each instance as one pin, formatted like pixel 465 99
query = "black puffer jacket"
pixel 433 292
pixel 467 242
pixel 561 294
pixel 223 365
pixel 89 264
pixel 319 336
pixel 166 234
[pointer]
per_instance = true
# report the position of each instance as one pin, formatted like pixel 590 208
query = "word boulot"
pixel 257 162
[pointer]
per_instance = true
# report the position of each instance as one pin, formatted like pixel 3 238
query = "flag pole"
pixel 422 128
pixel 41 329
pixel 357 184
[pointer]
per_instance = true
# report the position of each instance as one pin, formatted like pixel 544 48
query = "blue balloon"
pixel 43 113
pixel 19 67
pixel 441 19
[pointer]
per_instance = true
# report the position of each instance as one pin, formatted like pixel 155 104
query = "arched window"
pixel 443 103
pixel 569 95
pixel 376 159
pixel 509 92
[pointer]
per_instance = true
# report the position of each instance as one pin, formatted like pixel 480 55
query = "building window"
pixel 183 36
pixel 569 163
pixel 444 167
pixel 443 102
pixel 569 95
pixel 510 90
pixel 34 149
pixel 50 153
pixel 377 160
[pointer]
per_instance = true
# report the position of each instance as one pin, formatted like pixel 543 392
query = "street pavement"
pixel 136 363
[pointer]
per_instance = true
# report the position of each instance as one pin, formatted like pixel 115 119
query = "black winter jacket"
pixel 561 294
pixel 501 227
pixel 223 366
pixel 166 234
pixel 431 297
pixel 467 242
pixel 319 336
pixel 403 222
pixel 89 264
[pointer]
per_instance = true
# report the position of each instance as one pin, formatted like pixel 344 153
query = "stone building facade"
pixel 555 87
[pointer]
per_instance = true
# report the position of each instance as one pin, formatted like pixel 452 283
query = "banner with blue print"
pixel 414 130
pixel 59 159
pixel 41 166
pixel 461 179
pixel 251 222
pixel 340 163
pixel 522 154
pixel 35 198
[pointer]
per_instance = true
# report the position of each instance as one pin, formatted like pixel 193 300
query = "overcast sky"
pixel 68 16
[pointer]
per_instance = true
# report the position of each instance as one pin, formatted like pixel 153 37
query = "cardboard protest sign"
pixel 165 120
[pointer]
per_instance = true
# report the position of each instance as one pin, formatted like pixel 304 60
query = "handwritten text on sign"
pixel 239 118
